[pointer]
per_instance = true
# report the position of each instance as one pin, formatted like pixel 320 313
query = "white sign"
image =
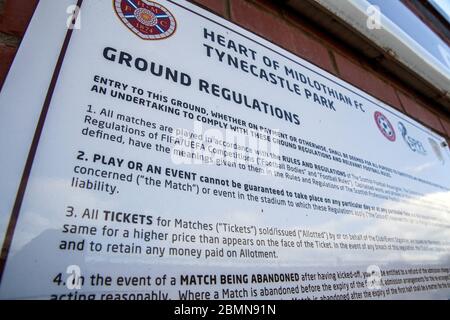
pixel 153 150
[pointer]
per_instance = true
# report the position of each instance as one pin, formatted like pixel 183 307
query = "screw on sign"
pixel 148 20
pixel 385 126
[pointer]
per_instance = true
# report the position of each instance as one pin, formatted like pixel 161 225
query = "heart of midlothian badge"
pixel 147 19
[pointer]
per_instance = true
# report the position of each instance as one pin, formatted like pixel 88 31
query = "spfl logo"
pixel 385 126
pixel 414 144
pixel 149 20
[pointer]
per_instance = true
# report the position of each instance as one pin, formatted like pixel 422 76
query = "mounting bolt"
pixel 391 52
pixel 447 94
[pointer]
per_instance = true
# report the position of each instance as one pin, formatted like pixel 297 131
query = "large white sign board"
pixel 157 151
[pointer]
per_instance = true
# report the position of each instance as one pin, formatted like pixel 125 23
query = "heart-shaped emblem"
pixel 147 19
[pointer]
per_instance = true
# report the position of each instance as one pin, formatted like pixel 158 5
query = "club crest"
pixel 147 19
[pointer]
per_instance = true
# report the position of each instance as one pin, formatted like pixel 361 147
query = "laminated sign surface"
pixel 156 151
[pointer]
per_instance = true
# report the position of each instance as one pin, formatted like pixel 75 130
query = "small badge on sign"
pixel 147 19
pixel 385 126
